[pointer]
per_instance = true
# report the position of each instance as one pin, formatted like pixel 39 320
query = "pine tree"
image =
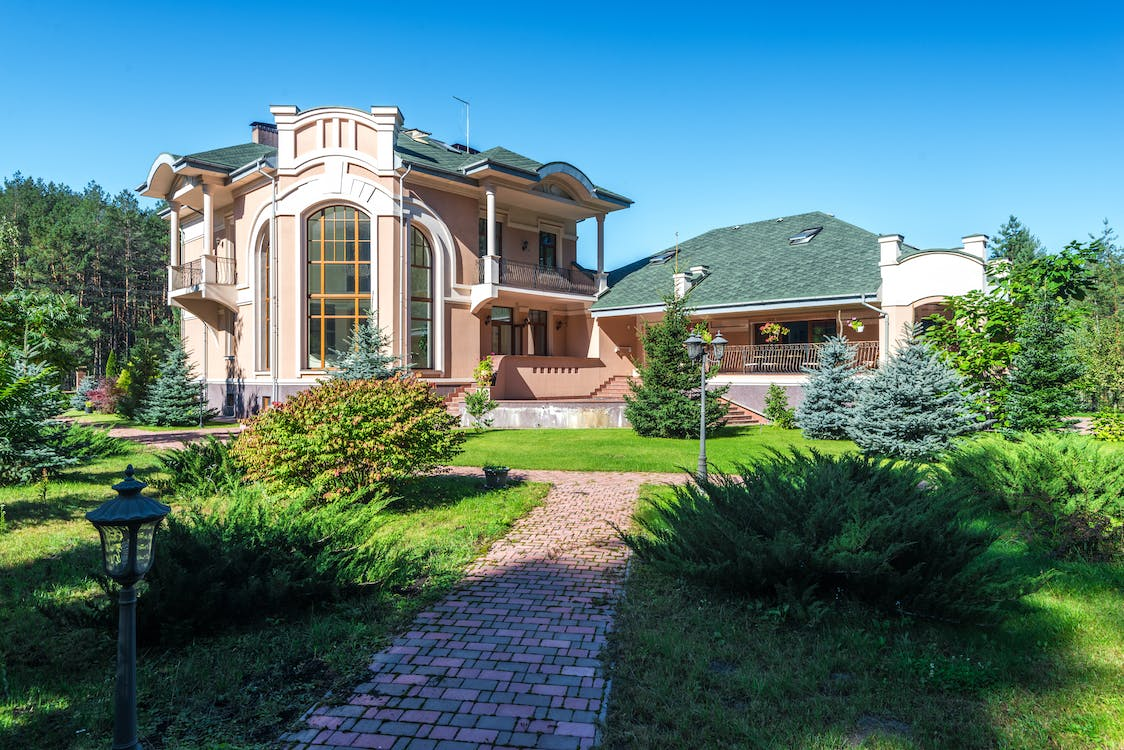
pixel 174 399
pixel 78 400
pixel 366 357
pixel 777 409
pixel 830 393
pixel 912 407
pixel 1015 243
pixel 1044 373
pixel 665 402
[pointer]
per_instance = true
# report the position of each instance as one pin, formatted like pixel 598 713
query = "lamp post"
pixel 697 351
pixel 127 524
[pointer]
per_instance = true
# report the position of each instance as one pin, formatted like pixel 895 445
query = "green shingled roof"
pixel 233 157
pixel 754 263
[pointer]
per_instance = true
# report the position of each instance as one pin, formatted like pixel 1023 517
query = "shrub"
pixel 79 399
pixel 830 393
pixel 664 401
pixel 1109 426
pixel 254 556
pixel 200 469
pixel 777 409
pixel 30 439
pixel 104 396
pixel 1066 490
pixel 479 404
pixel 342 435
pixel 88 443
pixel 912 407
pixel 804 530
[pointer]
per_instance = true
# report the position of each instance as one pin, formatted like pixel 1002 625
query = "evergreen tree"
pixel 79 399
pixel 777 409
pixel 829 393
pixel 174 399
pixel 1015 243
pixel 1043 374
pixel 912 407
pixel 366 356
pixel 665 401
pixel 31 440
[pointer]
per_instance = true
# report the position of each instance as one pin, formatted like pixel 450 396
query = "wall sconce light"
pixel 558 324
pixel 524 245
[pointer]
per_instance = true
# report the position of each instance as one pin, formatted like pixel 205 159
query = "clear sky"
pixel 932 120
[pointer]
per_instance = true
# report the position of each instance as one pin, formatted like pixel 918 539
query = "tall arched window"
pixel 264 301
pixel 339 281
pixel 421 301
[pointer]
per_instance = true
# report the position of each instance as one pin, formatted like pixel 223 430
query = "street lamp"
pixel 697 351
pixel 127 524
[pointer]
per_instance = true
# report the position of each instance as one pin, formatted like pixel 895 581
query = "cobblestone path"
pixel 510 658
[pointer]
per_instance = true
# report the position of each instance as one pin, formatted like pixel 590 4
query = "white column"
pixel 602 277
pixel 174 234
pixel 208 221
pixel 492 261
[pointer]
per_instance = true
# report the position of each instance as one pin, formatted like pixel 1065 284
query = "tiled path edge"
pixel 511 657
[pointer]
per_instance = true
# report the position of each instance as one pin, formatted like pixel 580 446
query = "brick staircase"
pixel 455 400
pixel 613 389
pixel 739 416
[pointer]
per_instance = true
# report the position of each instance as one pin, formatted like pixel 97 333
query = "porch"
pixel 788 358
pixel 538 277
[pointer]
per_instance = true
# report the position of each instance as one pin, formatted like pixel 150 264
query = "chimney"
pixel 890 247
pixel 976 244
pixel 682 284
pixel 263 133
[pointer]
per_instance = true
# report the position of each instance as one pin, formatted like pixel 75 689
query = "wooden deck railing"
pixel 788 358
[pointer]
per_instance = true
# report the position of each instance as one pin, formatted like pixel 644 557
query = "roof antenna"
pixel 467 108
pixel 677 252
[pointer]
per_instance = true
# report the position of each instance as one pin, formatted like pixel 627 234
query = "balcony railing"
pixel 547 278
pixel 788 358
pixel 210 269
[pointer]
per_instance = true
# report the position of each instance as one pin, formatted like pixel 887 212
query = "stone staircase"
pixel 613 389
pixel 455 400
pixel 739 416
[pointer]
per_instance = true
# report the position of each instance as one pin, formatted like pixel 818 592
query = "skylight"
pixel 803 238
pixel 663 257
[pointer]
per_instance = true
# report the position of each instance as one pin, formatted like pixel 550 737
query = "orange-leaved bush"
pixel 342 435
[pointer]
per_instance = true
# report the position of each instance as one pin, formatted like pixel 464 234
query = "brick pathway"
pixel 510 658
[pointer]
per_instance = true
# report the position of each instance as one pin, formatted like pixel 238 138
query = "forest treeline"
pixel 82 273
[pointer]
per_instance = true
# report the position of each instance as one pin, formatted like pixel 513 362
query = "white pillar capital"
pixel 490 221
pixel 602 278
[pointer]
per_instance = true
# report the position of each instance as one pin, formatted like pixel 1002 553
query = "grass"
pixel 116 420
pixel 240 689
pixel 624 450
pixel 695 669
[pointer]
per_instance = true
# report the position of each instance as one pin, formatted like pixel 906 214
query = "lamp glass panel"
pixel 694 347
pixel 145 549
pixel 115 550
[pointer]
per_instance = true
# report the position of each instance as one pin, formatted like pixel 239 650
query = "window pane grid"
pixel 339 280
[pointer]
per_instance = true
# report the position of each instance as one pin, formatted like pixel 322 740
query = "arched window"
pixel 421 301
pixel 339 281
pixel 264 301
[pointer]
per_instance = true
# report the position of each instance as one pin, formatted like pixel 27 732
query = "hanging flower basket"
pixel 773 332
pixel 856 325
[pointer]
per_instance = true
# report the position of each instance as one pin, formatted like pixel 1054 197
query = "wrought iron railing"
pixel 789 358
pixel 210 269
pixel 548 278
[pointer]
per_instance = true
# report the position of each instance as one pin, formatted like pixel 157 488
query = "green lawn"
pixel 57 646
pixel 116 420
pixel 624 450
pixel 695 669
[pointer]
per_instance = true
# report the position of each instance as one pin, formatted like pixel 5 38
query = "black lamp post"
pixel 127 524
pixel 697 351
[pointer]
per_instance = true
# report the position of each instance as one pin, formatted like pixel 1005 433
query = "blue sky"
pixel 933 122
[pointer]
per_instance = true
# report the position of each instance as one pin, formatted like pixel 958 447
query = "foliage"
pixel 344 435
pixel 484 372
pixel 253 556
pixel 1067 490
pixel 366 355
pixel 479 404
pixel 104 396
pixel 1044 372
pixel 52 324
pixel 84 444
pixel 1100 338
pixel 773 332
pixel 97 253
pixel 777 409
pixel 175 398
pixel 830 392
pixel 79 399
pixel 111 371
pixel 806 530
pixel 143 367
pixel 30 439
pixel 1062 276
pixel 200 469
pixel 1014 243
pixel 664 400
pixel 1109 426
pixel 912 407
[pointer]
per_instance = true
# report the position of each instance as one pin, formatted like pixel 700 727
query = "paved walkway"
pixel 165 439
pixel 511 657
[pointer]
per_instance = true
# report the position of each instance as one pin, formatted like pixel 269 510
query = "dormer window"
pixel 803 238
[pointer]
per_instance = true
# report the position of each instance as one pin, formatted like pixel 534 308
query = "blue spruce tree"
pixel 912 407
pixel 174 398
pixel 830 392
pixel 366 355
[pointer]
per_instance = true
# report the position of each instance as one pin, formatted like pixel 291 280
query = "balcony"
pixel 203 285
pixel 542 278
pixel 788 358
